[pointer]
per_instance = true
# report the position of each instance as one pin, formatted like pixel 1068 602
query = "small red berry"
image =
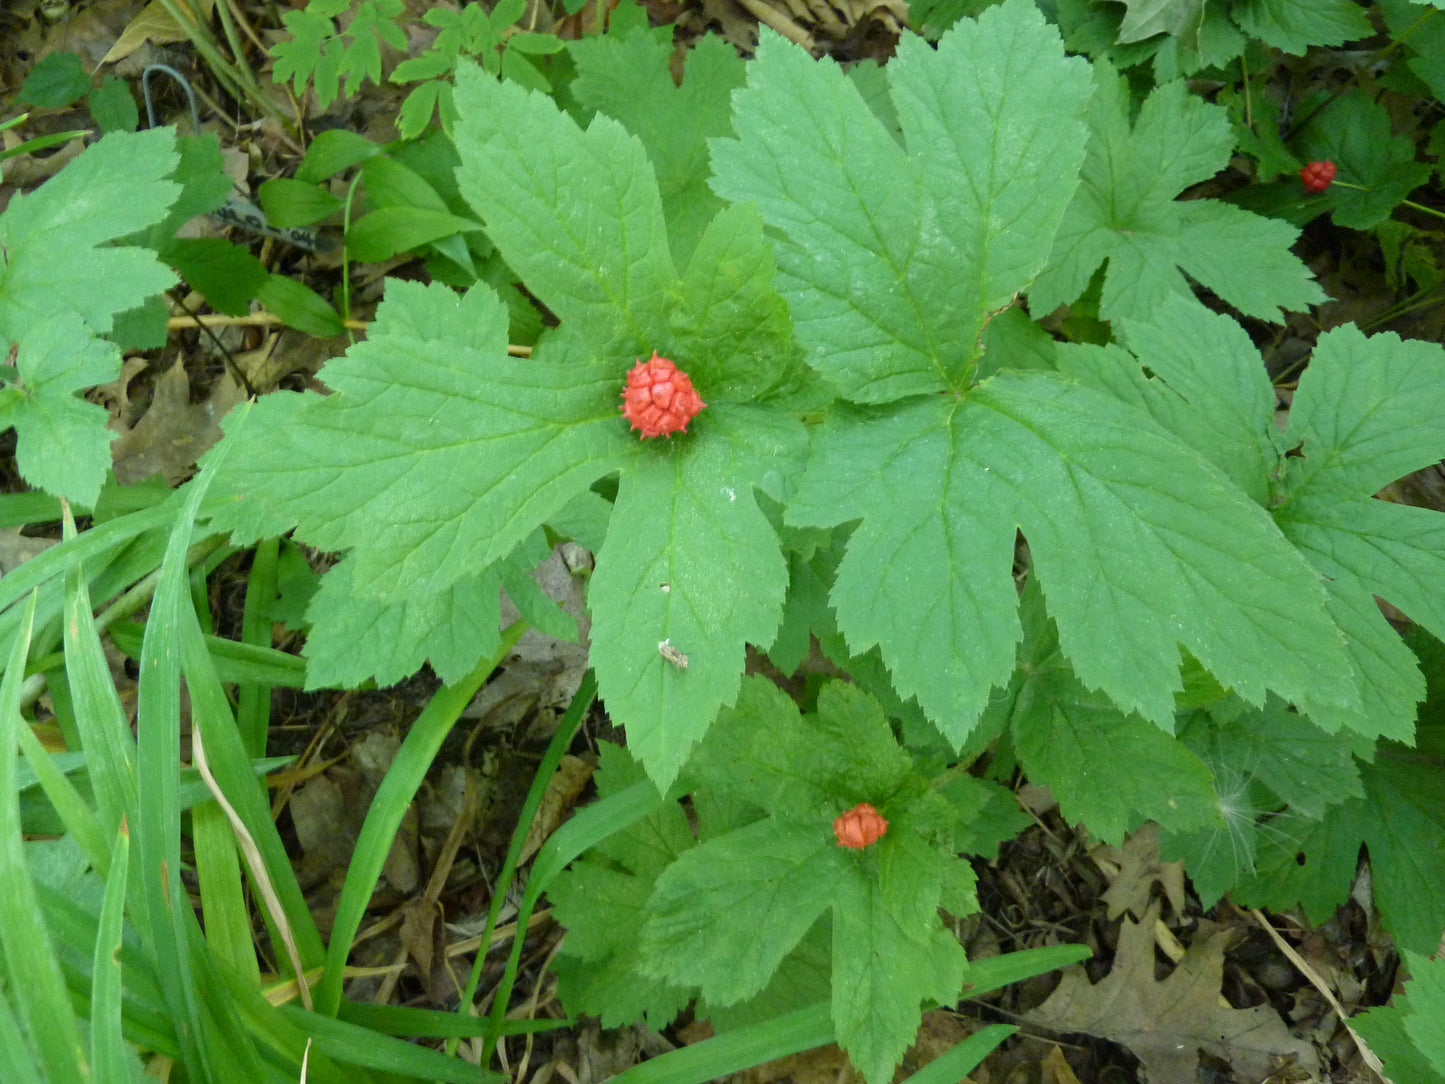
pixel 860 826
pixel 1316 176
pixel 659 398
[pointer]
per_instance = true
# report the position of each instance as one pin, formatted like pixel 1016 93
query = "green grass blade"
pixel 396 792
pixel 14 1051
pixel 223 897
pixel 287 914
pixel 33 971
pixel 985 976
pixel 403 1021
pixel 790 1033
pixel 110 1059
pixel 234 661
pixel 955 1065
pixel 79 819
pixel 363 1047
pixel 157 826
pixel 557 748
pixel 104 731
pixel 253 698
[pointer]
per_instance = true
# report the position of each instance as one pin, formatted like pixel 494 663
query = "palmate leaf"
pixel 61 284
pixel 1367 412
pixel 413 462
pixel 1138 545
pixel 438 454
pixel 891 288
pixel 727 913
pixel 1125 213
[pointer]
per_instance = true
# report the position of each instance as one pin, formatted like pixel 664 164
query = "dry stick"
pixel 1314 979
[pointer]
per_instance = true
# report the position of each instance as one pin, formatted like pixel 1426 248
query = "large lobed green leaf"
pixel 413 461
pixel 890 288
pixel 577 214
pixel 1125 214
pixel 1368 411
pixel 1140 547
pixel 55 239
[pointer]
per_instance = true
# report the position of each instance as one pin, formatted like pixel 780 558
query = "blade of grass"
pixel 985 976
pixel 734 1051
pixel 34 973
pixel 110 1059
pixel 157 826
pixel 253 698
pixel 235 662
pixel 956 1064
pixel 105 734
pixel 361 1046
pixel 557 748
pixel 14 1050
pixel 395 794
pixel 403 1021
pixel 286 913
pixel 79 819
pixel 590 826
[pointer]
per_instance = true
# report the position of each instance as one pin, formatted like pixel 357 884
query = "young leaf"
pixel 576 214
pixel 1125 214
pixel 891 288
pixel 63 446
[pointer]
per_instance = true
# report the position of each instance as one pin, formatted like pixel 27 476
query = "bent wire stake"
pixel 237 210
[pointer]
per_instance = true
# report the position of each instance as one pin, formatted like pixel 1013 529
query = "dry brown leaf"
pixel 1167 1023
pixel 558 799
pixel 154 25
pixel 1055 1068
pixel 1139 867
pixel 174 432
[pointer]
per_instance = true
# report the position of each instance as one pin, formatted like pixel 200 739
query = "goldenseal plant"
pixel 882 422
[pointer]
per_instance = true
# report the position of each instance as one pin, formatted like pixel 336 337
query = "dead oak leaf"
pixel 1167 1023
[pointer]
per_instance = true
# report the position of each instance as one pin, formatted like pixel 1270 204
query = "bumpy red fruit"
pixel 659 398
pixel 860 826
pixel 1316 176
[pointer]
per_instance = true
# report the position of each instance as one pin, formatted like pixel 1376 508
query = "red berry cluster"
pixel 659 398
pixel 859 827
pixel 1316 176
